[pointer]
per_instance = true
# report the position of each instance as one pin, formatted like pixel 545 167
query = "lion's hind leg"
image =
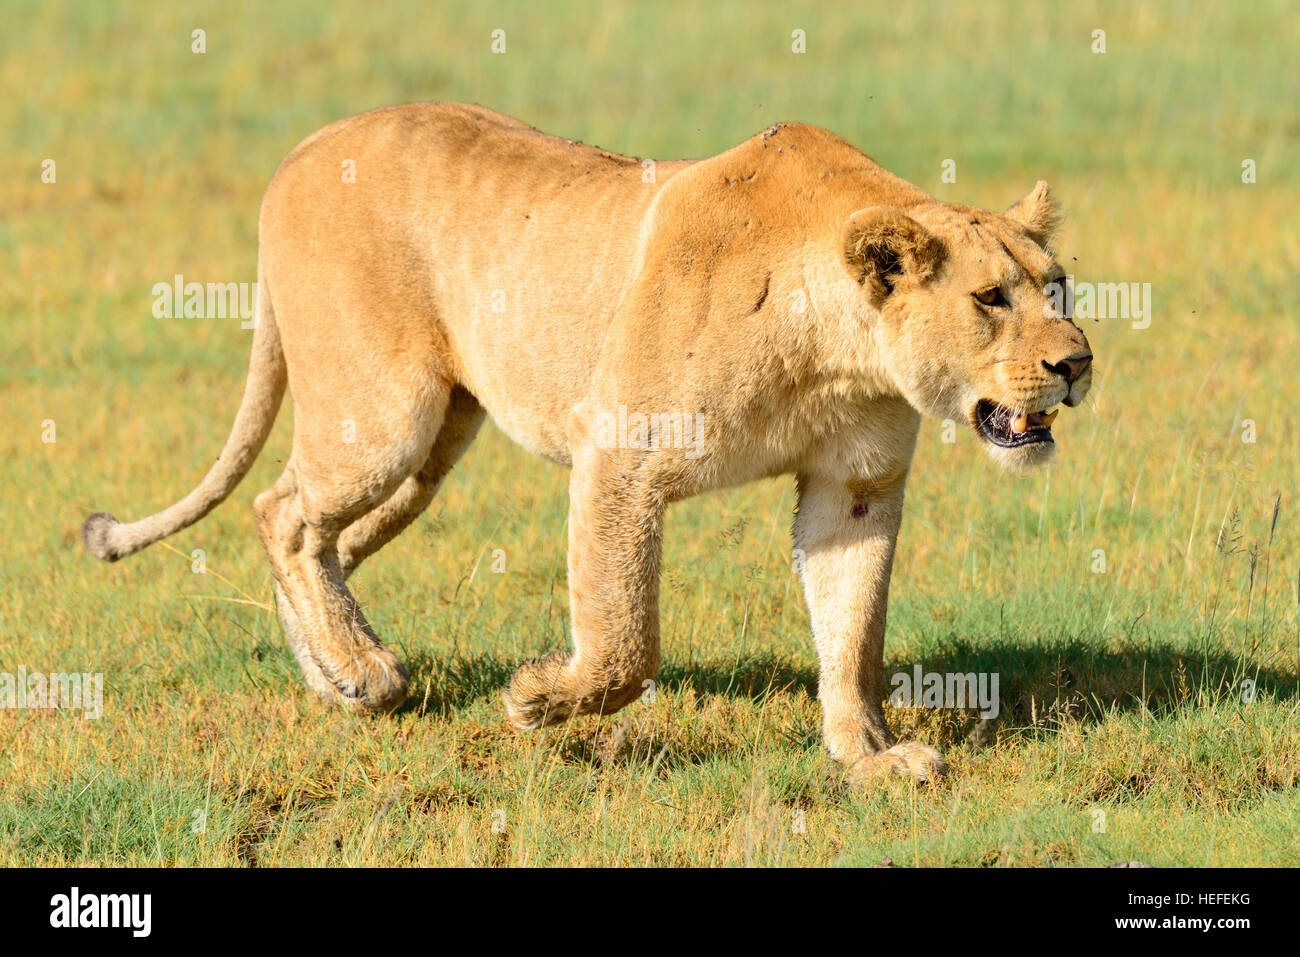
pixel 331 481
pixel 382 524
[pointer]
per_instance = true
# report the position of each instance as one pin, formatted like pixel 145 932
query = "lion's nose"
pixel 1071 367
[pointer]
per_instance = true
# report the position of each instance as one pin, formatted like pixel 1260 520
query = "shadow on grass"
pixel 1041 683
pixel 443 686
pixel 453 684
pixel 1155 674
pixel 1045 680
pixel 755 677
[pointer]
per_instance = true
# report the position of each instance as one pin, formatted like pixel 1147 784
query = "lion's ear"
pixel 1038 213
pixel 882 244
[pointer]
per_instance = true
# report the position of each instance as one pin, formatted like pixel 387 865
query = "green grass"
pixel 1121 692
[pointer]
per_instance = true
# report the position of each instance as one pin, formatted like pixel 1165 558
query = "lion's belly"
pixel 528 303
pixel 526 353
pixel 528 399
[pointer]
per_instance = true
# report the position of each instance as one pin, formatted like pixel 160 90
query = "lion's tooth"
pixel 1049 417
pixel 1020 424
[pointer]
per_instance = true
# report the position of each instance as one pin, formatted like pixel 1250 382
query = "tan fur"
pixel 804 302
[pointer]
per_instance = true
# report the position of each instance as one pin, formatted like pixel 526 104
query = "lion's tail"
pixel 107 538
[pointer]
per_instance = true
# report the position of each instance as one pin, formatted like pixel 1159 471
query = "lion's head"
pixel 967 329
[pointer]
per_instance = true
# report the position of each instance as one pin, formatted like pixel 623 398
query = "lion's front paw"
pixel 373 680
pixel 539 693
pixel 908 759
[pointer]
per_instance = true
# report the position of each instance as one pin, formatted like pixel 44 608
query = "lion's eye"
pixel 991 296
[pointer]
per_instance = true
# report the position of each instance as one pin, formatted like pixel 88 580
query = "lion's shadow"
pixel 1039 682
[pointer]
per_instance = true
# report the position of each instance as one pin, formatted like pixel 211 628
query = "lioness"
pixel 800 307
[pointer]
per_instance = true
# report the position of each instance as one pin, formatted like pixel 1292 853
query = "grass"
pixel 1121 690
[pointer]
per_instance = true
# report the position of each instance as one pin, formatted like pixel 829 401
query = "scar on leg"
pixel 861 492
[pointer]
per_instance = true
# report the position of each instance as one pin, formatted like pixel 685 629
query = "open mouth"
pixel 1011 429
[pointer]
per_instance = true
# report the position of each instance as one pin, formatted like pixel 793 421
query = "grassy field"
pixel 1122 689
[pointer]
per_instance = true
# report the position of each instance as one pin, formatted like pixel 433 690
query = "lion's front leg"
pixel 615 541
pixel 845 531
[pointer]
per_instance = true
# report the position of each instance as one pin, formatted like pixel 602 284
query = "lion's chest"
pixel 871 441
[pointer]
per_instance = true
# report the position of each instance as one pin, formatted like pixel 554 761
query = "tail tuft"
pixel 97 533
